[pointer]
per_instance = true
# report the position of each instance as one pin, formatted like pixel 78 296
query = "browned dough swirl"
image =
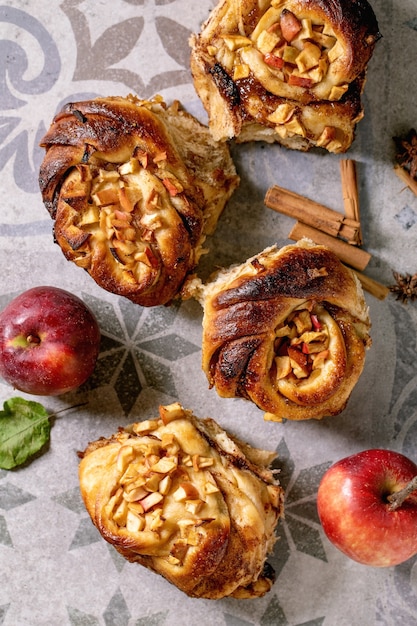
pixel 182 497
pixel 287 330
pixel 134 187
pixel 289 71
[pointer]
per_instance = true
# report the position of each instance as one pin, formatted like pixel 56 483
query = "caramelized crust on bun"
pixel 184 498
pixel 288 330
pixel 134 187
pixel 273 70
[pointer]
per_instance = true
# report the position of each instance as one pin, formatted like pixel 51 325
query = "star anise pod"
pixel 406 287
pixel 406 155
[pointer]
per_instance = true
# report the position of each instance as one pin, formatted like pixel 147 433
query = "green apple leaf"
pixel 24 430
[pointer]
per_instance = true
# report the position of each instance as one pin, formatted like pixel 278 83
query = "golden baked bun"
pixel 273 70
pixel 134 187
pixel 288 329
pixel 180 496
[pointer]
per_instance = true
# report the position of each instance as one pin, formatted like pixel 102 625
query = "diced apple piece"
pixel 151 500
pixel 302 321
pixel 328 134
pixel 187 460
pixel 308 57
pixel 194 506
pixel 284 331
pixel 134 523
pixel 290 25
pixel 136 507
pixel 325 41
pixel 337 92
pixel 142 157
pixel 234 42
pixel 268 21
pixel 281 115
pixel 242 70
pixel 165 485
pixel 125 456
pixel 185 526
pixel 299 362
pixel 124 200
pixel 153 520
pixel 335 51
pixel 147 426
pixel 108 176
pixel 121 513
pixel 130 167
pixel 160 156
pixel 267 41
pixel 315 322
pixel 171 412
pixel 293 127
pixel 210 488
pixel 283 366
pixel 205 461
pixel 290 54
pixel 320 358
pixel 136 494
pixel 317 73
pixel 226 57
pixel 300 81
pixel 306 31
pixel 152 483
pixel 106 196
pixel 173 186
pixel 317 341
pixel 273 60
pixel 165 465
pixel 89 216
pixel 186 491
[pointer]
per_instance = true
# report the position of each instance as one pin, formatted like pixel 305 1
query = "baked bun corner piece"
pixel 180 496
pixel 134 187
pixel 286 71
pixel 288 330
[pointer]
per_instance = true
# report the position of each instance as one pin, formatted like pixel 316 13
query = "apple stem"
pixel 33 339
pixel 397 499
pixel 68 408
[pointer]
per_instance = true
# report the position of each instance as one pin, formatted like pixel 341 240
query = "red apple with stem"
pixel 49 341
pixel 367 505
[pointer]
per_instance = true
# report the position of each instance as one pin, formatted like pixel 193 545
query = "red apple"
pixel 359 513
pixel 49 341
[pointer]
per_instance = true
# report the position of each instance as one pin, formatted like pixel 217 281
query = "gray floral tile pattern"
pixel 56 569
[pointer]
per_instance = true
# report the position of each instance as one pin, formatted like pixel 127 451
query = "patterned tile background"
pixel 55 569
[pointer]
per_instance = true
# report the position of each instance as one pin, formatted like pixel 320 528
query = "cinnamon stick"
pixel 406 178
pixel 351 195
pixel 372 286
pixel 311 213
pixel 348 254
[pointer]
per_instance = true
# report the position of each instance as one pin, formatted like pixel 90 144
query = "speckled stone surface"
pixel 55 568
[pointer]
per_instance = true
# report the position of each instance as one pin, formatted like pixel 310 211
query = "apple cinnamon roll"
pixel 180 496
pixel 273 70
pixel 134 187
pixel 288 330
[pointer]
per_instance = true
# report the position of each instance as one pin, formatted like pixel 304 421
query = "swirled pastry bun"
pixel 288 329
pixel 272 70
pixel 182 497
pixel 134 187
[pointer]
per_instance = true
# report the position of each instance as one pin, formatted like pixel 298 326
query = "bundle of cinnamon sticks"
pixel 339 232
